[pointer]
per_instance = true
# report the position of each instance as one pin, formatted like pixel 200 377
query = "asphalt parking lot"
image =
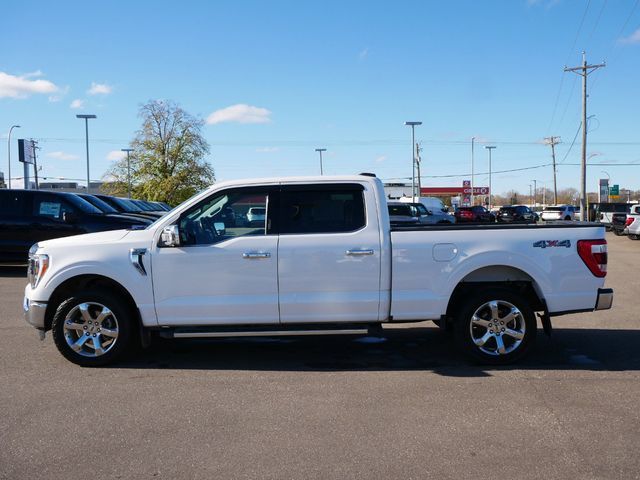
pixel 409 407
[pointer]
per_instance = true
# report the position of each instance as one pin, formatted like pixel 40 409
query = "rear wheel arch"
pixel 496 276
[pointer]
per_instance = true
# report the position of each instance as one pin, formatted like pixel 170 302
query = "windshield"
pixel 82 204
pixel 100 204
pixel 554 209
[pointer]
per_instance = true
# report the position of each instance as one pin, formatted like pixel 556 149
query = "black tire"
pixel 567 218
pixel 617 232
pixel 117 319
pixel 634 237
pixel 523 323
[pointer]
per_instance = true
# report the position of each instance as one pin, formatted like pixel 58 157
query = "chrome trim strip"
pixel 135 255
pixel 270 333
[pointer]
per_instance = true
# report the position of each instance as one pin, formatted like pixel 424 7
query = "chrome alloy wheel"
pixel 497 327
pixel 90 329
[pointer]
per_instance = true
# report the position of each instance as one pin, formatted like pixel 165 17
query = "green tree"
pixel 168 158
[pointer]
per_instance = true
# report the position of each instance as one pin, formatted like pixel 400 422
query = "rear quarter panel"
pixel 428 265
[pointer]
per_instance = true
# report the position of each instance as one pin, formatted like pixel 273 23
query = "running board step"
pixel 271 331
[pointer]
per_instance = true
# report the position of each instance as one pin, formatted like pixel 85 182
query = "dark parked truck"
pixel 319 256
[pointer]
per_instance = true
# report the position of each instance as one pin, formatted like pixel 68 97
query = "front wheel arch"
pixel 89 282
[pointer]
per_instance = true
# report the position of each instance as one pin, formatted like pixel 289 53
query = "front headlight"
pixel 38 266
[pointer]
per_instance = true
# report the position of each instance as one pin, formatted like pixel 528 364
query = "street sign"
pixel 26 153
pixel 615 190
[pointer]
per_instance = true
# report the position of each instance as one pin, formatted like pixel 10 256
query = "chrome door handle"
pixel 359 253
pixel 251 255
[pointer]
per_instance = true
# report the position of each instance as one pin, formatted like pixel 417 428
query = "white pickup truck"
pixel 324 260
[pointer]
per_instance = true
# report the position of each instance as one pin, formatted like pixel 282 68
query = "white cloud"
pixel 363 54
pixel 381 158
pixel 99 89
pixel 632 39
pixel 62 156
pixel 240 113
pixel 13 86
pixel 77 104
pixel 267 149
pixel 115 155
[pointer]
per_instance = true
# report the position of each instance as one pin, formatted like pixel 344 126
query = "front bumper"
pixel 34 312
pixel 605 298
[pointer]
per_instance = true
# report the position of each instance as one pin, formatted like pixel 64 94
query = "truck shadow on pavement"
pixel 426 349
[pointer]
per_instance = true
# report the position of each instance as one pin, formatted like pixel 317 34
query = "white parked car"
pixel 632 224
pixel 560 212
pixel 256 216
pixel 328 261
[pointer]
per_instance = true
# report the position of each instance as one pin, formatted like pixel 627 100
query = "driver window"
pixel 223 216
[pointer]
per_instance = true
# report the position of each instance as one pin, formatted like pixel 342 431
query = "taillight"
pixel 594 255
pixel 629 221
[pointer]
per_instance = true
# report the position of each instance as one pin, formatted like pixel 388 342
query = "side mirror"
pixel 69 217
pixel 170 236
pixel 429 212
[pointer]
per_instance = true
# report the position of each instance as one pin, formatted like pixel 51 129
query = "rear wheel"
pixel 634 237
pixel 92 328
pixel 496 326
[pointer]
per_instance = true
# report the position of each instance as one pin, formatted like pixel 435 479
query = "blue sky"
pixel 288 77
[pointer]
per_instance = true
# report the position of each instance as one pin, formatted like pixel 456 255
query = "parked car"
pixel 416 213
pixel 256 216
pixel 516 214
pixel 559 212
pixel 327 261
pixel 605 211
pixel 402 214
pixel 632 223
pixel 107 209
pixel 30 216
pixel 476 214
pixel 125 206
pixel 618 224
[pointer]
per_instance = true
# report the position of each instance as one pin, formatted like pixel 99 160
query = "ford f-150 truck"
pixel 323 260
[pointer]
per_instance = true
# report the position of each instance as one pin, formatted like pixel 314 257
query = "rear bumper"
pixel 34 312
pixel 605 299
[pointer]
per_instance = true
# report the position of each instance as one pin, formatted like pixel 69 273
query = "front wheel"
pixel 634 237
pixel 92 328
pixel 496 326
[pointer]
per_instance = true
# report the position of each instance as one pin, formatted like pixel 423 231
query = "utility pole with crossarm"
pixel 584 70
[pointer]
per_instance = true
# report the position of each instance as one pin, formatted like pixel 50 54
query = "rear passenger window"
pixel 11 203
pixel 326 209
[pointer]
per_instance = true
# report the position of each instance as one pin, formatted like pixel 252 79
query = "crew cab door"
pixel 328 254
pixel 225 269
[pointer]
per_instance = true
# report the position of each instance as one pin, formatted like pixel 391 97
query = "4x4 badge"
pixel 552 243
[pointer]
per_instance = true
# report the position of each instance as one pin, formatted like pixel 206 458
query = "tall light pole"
pixel 128 150
pixel 9 150
pixel 320 150
pixel 473 139
pixel 489 148
pixel 535 192
pixel 86 131
pixel 413 157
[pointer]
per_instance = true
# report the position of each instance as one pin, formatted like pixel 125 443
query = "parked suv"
pixel 559 212
pixel 517 214
pixel 403 213
pixel 474 214
pixel 29 216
